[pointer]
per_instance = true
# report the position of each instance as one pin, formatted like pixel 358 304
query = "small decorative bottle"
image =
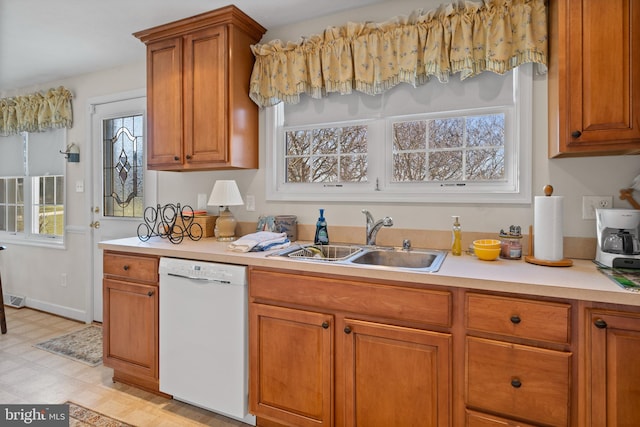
pixel 456 246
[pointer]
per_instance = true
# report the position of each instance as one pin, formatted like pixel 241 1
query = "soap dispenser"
pixel 322 235
pixel 456 246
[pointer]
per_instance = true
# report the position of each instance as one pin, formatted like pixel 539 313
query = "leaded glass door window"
pixel 123 167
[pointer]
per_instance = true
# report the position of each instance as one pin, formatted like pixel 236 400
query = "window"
pixel 123 167
pixel 462 142
pixel 32 189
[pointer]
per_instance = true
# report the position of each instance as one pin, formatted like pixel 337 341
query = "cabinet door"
pixel 613 368
pixel 595 72
pixel 131 327
pixel 395 376
pixel 164 103
pixel 205 98
pixel 291 365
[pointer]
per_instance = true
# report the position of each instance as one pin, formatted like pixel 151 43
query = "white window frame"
pixel 28 236
pixel 518 161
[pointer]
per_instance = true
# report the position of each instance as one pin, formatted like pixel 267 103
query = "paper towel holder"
pixel 548 191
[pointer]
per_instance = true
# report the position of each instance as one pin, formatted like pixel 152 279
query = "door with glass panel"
pixel 122 187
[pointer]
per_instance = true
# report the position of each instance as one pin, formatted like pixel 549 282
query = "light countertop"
pixel 581 281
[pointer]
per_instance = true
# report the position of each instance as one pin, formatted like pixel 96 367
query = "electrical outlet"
pixel 591 203
pixel 251 203
pixel 63 280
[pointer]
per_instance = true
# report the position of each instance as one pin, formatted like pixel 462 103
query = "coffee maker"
pixel 618 238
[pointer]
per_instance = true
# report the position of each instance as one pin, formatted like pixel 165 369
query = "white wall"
pixel 35 272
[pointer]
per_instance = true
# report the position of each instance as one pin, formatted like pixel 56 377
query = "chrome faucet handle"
pixel 406 244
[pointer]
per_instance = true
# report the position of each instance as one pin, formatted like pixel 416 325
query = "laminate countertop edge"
pixel 581 281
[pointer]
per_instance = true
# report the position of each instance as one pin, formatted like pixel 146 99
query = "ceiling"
pixel 47 40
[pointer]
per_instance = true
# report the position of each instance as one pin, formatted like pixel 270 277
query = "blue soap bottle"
pixel 322 235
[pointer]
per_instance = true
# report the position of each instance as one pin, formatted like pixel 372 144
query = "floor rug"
pixel 79 416
pixel 83 346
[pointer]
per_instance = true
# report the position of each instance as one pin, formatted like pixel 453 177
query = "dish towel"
pixel 260 241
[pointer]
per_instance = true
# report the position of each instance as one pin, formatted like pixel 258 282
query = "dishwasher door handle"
pixel 199 279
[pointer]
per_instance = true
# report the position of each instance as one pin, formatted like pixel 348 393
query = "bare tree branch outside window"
pixel 327 155
pixel 454 149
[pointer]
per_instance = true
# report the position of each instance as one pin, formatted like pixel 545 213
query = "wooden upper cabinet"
pixel 594 77
pixel 199 114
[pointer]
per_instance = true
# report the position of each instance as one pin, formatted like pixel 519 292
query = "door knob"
pixel 95 224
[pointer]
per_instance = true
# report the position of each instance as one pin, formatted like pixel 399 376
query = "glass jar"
pixel 511 243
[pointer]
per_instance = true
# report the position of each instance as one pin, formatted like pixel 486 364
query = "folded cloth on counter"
pixel 260 241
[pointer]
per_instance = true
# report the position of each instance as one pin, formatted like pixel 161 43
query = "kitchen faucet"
pixel 374 226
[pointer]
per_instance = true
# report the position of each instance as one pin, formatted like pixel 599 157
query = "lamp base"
pixel 225 230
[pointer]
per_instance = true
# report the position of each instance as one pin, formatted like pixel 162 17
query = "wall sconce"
pixel 72 154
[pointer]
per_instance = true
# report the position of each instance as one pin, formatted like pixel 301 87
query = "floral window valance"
pixel 36 112
pixel 464 37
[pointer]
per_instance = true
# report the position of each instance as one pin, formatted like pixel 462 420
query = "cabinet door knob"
pixel 150 293
pixel 600 324
pixel 347 330
pixel 515 319
pixel 176 158
pixel 325 325
pixel 515 383
pixel 576 134
pixel 188 156
pixel 125 267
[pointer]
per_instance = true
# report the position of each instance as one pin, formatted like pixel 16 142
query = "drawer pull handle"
pixel 515 383
pixel 576 134
pixel 325 325
pixel 125 267
pixel 600 324
pixel 150 293
pixel 515 319
pixel 347 330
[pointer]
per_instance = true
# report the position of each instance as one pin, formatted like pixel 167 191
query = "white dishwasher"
pixel 204 335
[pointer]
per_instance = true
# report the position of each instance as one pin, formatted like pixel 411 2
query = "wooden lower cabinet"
pixel 395 376
pixel 612 368
pixel 130 319
pixel 328 362
pixel 291 365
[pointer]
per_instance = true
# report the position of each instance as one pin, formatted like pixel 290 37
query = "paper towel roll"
pixel 547 228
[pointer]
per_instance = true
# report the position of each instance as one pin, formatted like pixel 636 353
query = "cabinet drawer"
pixel 518 317
pixel 131 267
pixel 518 381
pixel 476 419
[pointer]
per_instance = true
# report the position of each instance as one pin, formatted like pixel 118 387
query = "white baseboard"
pixel 71 313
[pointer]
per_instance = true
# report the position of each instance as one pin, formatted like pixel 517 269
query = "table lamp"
pixel 225 193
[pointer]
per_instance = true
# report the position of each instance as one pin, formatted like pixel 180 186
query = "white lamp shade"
pixel 225 193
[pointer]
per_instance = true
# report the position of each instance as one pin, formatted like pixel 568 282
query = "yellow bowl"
pixel 486 254
pixel 487 244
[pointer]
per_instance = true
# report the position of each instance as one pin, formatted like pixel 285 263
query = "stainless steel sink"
pixel 414 259
pixel 366 256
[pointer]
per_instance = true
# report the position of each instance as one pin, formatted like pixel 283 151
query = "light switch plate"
pixel 251 203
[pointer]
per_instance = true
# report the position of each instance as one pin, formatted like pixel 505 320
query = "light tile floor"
pixel 32 376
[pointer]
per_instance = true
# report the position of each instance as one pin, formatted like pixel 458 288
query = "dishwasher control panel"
pixel 204 271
